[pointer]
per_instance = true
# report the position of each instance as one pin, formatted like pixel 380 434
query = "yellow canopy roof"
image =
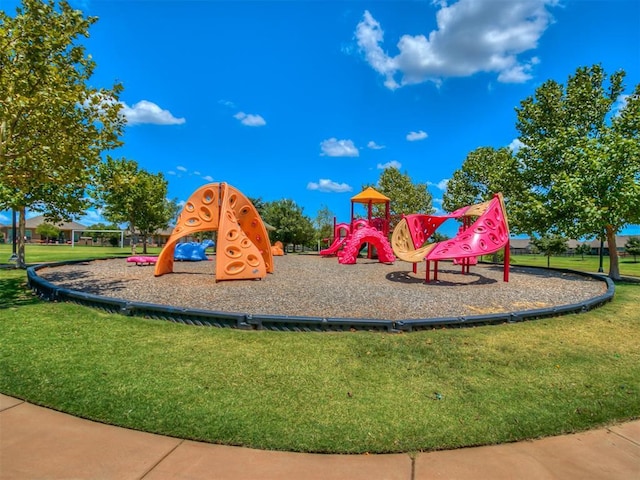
pixel 370 195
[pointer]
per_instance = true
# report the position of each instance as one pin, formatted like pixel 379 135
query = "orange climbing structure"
pixel 243 250
pixel 485 230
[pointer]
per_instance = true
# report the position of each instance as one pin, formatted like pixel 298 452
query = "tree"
pixel 484 172
pixel 580 160
pixel 48 231
pixel 583 249
pixel 550 245
pixel 437 237
pixel 53 125
pixel 324 224
pixel 406 197
pixel 112 237
pixel 135 197
pixel 632 247
pixel 291 225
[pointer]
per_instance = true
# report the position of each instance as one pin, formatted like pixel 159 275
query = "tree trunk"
pixel 614 267
pixel 22 228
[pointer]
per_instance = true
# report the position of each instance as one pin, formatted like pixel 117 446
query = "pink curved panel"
pixel 488 234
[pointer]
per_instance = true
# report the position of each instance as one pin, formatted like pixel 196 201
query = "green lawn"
pixel 331 392
pixel 590 263
pixel 37 253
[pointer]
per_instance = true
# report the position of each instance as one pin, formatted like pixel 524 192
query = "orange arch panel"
pixel 243 250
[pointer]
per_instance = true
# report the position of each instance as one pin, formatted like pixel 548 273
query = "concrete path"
pixel 38 443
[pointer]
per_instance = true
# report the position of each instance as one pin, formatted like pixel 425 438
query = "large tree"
pixel 133 196
pixel 289 221
pixel 405 196
pixel 580 158
pixel 53 124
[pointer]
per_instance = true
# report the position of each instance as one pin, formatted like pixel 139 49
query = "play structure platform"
pixel 349 238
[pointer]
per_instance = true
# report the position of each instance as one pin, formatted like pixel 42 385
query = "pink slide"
pixel 364 235
pixel 334 247
pixel 338 241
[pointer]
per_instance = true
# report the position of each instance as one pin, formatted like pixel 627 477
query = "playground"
pixel 358 287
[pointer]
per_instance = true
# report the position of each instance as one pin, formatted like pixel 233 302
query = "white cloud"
pixel 171 172
pixel 414 136
pixel 436 203
pixel 5 219
pixel 250 120
pixel 472 36
pixel 227 103
pixel 181 168
pixel 374 146
pixel 326 185
pixel 441 185
pixel 208 178
pixel 391 164
pixel 516 145
pixel 338 148
pixel 148 112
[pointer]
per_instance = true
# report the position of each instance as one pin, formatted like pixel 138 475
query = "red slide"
pixel 334 247
pixel 340 234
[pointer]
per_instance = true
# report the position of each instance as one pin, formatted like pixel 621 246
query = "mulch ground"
pixel 309 285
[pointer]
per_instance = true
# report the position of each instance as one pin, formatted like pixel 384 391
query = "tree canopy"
pixel 580 158
pixel 53 124
pixel 577 172
pixel 632 247
pixel 133 196
pixel 48 231
pixel 550 245
pixel 323 224
pixel 291 225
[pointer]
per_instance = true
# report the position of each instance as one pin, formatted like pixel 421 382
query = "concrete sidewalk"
pixel 38 443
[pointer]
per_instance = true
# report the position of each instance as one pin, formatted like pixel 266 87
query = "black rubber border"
pixel 211 318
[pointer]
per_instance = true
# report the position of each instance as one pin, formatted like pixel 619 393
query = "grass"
pixel 340 393
pixel 37 253
pixel 590 263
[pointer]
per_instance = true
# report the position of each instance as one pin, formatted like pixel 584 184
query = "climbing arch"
pixel 243 250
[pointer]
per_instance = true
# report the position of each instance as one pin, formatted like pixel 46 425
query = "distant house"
pixel 520 246
pixel 523 246
pixel 31 224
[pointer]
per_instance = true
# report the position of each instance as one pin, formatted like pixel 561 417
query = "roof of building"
pixel 34 222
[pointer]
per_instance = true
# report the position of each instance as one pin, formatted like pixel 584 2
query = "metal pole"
pixel 14 234
pixel 600 269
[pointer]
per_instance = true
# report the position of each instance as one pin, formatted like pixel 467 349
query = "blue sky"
pixel 310 100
